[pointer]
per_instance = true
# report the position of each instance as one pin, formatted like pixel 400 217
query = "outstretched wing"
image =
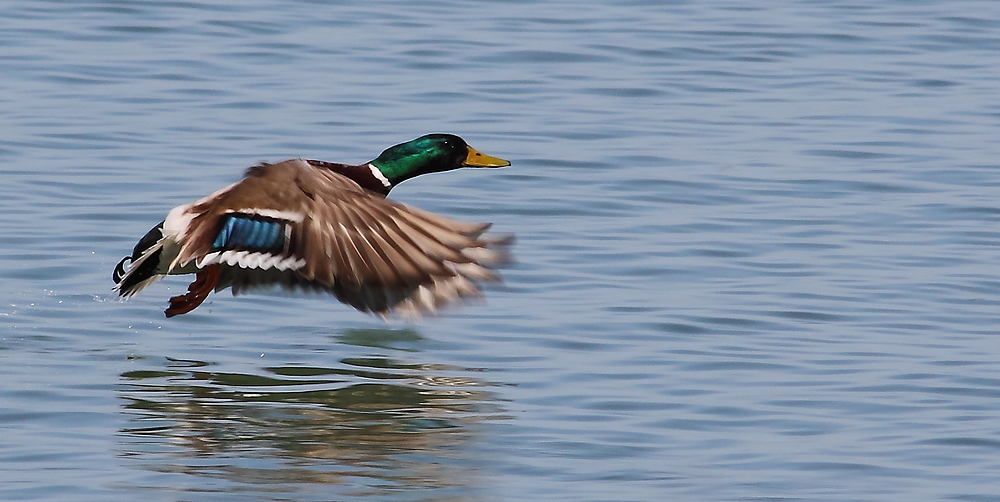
pixel 297 226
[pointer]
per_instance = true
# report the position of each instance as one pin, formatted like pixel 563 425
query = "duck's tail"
pixel 135 272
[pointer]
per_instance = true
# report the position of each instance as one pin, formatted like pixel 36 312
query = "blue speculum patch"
pixel 246 232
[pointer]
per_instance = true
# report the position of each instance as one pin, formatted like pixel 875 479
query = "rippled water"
pixel 757 252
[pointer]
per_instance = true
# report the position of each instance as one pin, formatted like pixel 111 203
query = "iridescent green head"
pixel 431 154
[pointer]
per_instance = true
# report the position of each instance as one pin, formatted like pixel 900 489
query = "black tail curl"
pixel 148 267
pixel 120 269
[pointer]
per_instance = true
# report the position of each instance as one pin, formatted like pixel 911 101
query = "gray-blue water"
pixel 757 259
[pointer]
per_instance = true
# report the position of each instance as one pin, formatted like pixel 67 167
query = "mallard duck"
pixel 317 225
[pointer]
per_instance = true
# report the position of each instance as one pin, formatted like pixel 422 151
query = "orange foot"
pixel 203 284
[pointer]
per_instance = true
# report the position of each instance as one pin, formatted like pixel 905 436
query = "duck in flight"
pixel 321 226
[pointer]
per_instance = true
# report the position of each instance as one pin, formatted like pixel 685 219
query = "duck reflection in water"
pixel 371 425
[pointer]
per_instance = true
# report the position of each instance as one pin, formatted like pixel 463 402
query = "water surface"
pixel 757 252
